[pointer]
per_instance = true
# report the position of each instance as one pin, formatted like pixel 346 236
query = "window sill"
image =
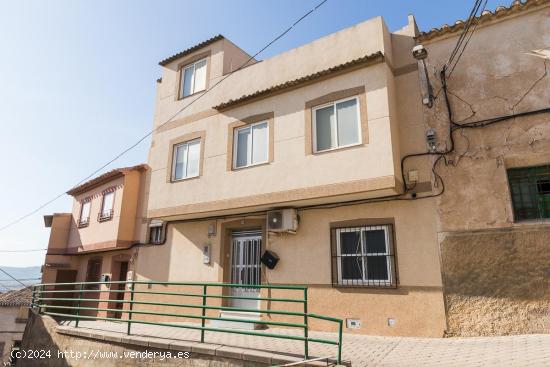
pixel 339 149
pixel 369 286
pixel 83 224
pixel 190 95
pixel 250 166
pixel 531 222
pixel 104 219
pixel 184 179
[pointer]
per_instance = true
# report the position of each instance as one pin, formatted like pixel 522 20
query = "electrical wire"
pixel 11 276
pixel 467 41
pixel 34 250
pixel 139 141
pixel 462 36
pixel 21 279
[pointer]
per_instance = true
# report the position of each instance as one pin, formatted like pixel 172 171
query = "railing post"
pixel 32 297
pixel 306 329
pixel 131 306
pixel 204 289
pixel 339 358
pixel 41 296
pixel 78 304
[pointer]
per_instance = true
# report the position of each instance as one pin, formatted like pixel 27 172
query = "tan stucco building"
pixel 97 241
pixel 302 155
pixel 13 317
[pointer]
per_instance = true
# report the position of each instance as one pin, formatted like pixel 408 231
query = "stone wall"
pixel 497 282
pixel 41 334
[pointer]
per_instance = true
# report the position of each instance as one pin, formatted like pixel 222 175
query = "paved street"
pixel 363 350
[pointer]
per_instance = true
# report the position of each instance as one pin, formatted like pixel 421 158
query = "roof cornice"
pixel 106 177
pixel 303 81
pixel 487 16
pixel 185 52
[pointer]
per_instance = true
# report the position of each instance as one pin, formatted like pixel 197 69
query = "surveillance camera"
pixel 419 52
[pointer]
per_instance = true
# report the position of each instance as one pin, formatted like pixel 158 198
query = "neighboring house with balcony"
pixel 13 317
pixel 97 240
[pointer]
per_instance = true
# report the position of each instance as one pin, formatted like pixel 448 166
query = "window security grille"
pixel 530 190
pixel 363 257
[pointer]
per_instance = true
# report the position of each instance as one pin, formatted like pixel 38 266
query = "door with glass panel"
pixel 245 267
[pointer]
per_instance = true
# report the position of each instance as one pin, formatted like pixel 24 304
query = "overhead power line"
pixel 140 140
pixel 467 41
pixel 33 250
pixel 11 276
pixel 464 38
pixel 21 279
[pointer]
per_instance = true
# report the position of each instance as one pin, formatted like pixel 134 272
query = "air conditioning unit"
pixel 282 220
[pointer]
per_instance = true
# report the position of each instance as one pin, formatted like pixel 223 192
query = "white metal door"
pixel 245 267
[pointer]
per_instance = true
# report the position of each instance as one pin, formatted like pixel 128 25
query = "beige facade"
pixel 449 255
pixel 381 74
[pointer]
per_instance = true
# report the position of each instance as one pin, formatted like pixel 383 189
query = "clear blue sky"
pixel 74 71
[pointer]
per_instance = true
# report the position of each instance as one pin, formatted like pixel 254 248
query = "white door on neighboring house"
pixel 245 267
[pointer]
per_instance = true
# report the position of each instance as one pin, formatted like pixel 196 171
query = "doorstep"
pixel 234 315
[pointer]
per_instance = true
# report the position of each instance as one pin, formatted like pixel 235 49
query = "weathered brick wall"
pixel 497 282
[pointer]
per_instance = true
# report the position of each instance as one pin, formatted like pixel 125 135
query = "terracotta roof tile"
pixel 365 60
pixel 515 7
pixel 191 49
pixel 117 172
pixel 21 297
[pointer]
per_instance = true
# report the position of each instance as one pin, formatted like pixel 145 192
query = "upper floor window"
pixel 107 204
pixel 155 235
pixel 84 218
pixel 193 78
pixel 156 231
pixel 186 160
pixel 336 125
pixel 530 189
pixel 251 145
pixel 363 256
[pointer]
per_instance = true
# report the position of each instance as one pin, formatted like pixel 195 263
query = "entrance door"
pixel 119 296
pixel 245 267
pixel 65 276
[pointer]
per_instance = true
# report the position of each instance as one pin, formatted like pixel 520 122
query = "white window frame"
pixel 106 212
pixel 182 78
pixel 155 234
pixel 364 254
pixel 174 154
pixel 333 104
pixel 250 143
pixel 87 219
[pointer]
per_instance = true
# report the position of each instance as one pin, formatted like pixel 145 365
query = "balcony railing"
pixel 69 304
pixel 104 216
pixel 83 222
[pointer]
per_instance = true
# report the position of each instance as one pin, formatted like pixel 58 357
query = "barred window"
pixel 530 190
pixel 363 256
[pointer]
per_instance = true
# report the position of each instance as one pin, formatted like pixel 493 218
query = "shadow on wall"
pixel 180 258
pixel 40 335
pixel 74 239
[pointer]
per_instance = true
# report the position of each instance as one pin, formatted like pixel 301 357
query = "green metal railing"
pixel 43 298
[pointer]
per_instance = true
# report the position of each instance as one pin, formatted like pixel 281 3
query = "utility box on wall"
pixel 283 220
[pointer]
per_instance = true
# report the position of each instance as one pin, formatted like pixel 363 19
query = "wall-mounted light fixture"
pixel 420 54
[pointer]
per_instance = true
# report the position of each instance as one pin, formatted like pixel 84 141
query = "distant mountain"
pixel 27 275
